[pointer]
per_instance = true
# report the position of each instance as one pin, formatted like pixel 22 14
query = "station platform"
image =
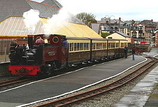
pixel 142 94
pixel 66 83
pixel 4 58
pixel 153 96
pixel 145 93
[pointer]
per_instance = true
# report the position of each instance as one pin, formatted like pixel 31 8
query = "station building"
pixel 119 35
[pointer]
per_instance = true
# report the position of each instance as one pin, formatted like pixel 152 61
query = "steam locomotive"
pixel 45 58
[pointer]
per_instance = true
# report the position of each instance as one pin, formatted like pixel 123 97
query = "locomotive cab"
pixel 45 54
pixel 58 51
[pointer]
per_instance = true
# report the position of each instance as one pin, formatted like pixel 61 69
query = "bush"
pixel 104 34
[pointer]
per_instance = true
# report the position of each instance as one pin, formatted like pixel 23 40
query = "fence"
pixel 5 46
pixel 4 49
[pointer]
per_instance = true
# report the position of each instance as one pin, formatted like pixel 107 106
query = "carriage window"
pixel 86 46
pixel 104 45
pixel 109 45
pixel 123 44
pixel 71 46
pixel 93 45
pixel 126 45
pixel 99 46
pixel 117 44
pixel 76 45
pixel 81 46
pixel 112 45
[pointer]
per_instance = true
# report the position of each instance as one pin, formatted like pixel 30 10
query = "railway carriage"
pixel 86 49
pixel 43 59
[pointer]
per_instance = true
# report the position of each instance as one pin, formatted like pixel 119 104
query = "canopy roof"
pixel 15 27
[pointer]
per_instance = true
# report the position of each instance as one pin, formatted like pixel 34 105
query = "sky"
pixel 127 10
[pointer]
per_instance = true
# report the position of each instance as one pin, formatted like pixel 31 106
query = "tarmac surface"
pixel 65 83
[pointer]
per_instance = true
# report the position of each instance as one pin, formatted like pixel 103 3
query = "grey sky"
pixel 127 10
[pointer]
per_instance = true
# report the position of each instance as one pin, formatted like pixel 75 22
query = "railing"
pixel 4 49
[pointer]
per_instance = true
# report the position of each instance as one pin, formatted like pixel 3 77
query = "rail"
pixel 4 69
pixel 12 81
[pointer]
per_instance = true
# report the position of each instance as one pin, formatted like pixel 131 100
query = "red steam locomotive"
pixel 55 53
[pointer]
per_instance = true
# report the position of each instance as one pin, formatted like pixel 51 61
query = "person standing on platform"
pixel 39 41
pixel 133 52
pixel 65 42
pixel 126 52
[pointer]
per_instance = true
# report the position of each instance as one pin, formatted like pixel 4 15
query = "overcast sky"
pixel 127 10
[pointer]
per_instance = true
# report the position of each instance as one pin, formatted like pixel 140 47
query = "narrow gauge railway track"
pixel 12 82
pixel 66 102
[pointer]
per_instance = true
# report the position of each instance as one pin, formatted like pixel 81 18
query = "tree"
pixel 105 34
pixel 87 18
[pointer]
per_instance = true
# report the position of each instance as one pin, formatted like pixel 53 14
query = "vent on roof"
pixel 109 37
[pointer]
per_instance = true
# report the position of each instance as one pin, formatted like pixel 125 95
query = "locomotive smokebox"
pixel 30 41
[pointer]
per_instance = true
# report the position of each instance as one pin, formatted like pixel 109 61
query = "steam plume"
pixel 57 21
pixel 31 18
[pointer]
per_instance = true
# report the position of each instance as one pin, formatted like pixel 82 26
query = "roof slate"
pixel 18 7
pixel 45 9
pixel 123 34
pixel 52 3
pixel 12 8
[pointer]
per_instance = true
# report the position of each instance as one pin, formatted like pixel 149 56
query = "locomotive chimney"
pixel 30 41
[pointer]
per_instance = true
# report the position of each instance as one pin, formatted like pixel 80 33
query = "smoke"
pixel 53 24
pixel 57 21
pixel 31 18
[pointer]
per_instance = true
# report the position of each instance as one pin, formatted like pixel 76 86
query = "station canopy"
pixel 15 27
pixel 12 20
